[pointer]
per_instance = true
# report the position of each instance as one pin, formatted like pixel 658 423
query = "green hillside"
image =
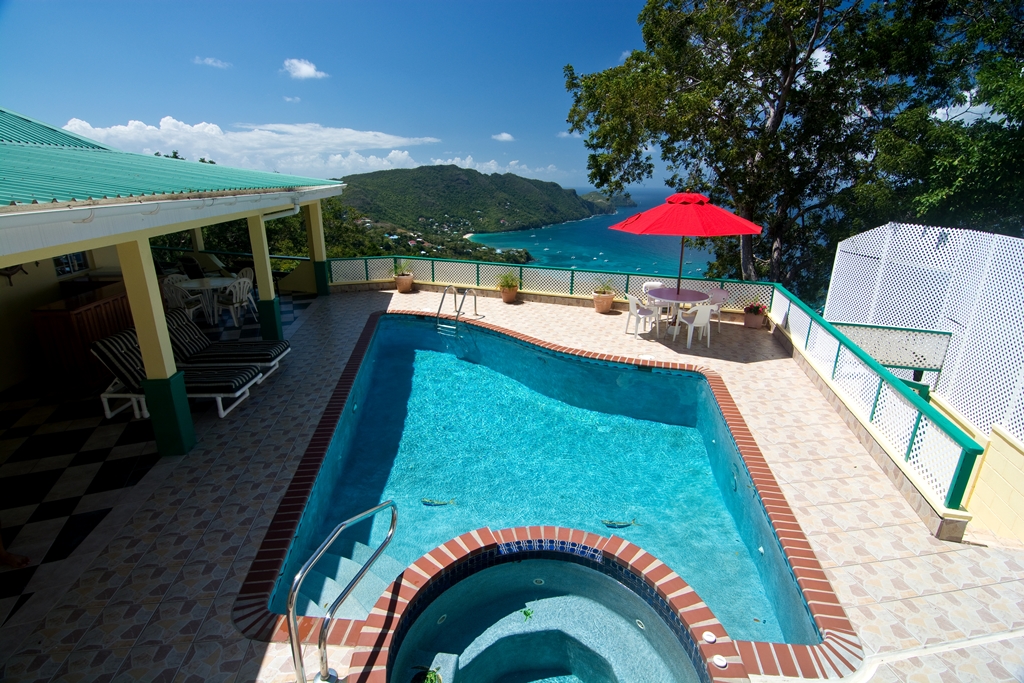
pixel 455 201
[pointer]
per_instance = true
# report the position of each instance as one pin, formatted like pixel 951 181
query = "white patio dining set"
pixel 665 304
pixel 194 291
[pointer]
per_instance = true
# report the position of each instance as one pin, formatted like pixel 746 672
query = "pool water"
pixel 581 626
pixel 505 434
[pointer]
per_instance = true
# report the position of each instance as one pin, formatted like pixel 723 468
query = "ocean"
pixel 589 243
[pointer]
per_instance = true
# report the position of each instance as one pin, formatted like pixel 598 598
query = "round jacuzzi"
pixel 541 620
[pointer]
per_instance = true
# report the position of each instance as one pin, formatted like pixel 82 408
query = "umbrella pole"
pixel 682 250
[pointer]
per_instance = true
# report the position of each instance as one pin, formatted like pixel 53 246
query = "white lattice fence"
pixel 535 279
pixel 962 282
pixel 907 428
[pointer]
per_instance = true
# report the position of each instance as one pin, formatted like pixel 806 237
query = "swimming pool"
pixel 517 435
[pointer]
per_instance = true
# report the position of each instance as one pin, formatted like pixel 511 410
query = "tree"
pixel 771 107
pixel 966 171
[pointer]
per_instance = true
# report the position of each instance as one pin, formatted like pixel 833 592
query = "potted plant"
pixel 508 283
pixel 427 675
pixel 604 294
pixel 403 276
pixel 753 315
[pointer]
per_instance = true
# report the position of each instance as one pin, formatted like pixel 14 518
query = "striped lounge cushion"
pixel 186 337
pixel 121 355
pixel 261 352
pixel 219 380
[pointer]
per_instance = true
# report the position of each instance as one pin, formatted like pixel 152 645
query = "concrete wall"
pixel 997 500
pixel 18 349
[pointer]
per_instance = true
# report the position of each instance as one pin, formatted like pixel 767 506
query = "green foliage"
pixel 604 287
pixel 448 200
pixel 403 267
pixel 770 107
pixel 427 675
pixel 508 280
pixel 961 172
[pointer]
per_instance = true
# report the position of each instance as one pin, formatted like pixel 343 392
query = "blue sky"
pixel 322 89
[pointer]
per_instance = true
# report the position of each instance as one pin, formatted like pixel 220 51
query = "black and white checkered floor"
pixel 63 466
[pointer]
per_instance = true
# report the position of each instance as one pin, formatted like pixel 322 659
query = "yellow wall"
pixel 18 349
pixel 997 500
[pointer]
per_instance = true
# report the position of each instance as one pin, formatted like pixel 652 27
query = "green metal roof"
pixel 43 164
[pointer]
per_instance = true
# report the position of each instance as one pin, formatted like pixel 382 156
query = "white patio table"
pixel 683 296
pixel 207 287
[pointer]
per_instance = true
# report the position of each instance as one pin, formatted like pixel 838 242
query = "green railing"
pixel 936 450
pixel 940 454
pixel 189 250
pixel 542 280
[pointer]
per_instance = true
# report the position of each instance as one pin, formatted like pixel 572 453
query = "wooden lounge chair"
pixel 121 355
pixel 192 348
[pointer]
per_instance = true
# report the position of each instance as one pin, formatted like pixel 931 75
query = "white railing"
pixel 939 454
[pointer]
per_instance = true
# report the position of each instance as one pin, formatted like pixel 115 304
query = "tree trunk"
pixel 777 258
pixel 747 257
pixel 747 248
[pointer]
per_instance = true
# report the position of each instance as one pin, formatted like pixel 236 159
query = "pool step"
pixel 386 567
pixel 320 590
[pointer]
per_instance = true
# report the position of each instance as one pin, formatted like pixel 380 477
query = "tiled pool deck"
pixel 155 602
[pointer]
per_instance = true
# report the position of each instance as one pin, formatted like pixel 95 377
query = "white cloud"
pixel 820 58
pixel 302 68
pixel 567 134
pixel 292 99
pixel 968 112
pixel 503 137
pixel 211 61
pixel 300 148
pixel 624 55
pixel 493 166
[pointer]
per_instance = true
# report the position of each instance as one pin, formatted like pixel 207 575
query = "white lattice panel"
pixel 934 457
pixel 799 324
pixel 542 280
pixel 348 271
pixel 584 282
pixel 858 380
pixel 455 273
pixel 822 347
pixel 381 269
pixel 858 273
pixel 959 281
pixel 896 346
pixel 894 418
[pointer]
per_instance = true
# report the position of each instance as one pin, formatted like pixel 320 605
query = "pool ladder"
pixel 326 673
pixel 452 329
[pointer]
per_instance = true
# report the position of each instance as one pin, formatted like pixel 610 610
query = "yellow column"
pixel 164 385
pixel 197 240
pixel 269 306
pixel 312 216
pixel 147 308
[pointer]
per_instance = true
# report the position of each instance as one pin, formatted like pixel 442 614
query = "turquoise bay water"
pixel 589 244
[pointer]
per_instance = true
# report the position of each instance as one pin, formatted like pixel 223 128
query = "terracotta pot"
pixel 404 283
pixel 603 301
pixel 755 320
pixel 508 294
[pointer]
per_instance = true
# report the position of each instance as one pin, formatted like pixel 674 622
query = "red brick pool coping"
pixel 839 654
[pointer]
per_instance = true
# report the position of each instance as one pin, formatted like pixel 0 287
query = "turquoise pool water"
pixel 582 626
pixel 507 434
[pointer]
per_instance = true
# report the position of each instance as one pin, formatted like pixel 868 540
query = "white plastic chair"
pixel 666 308
pixel 640 313
pixel 248 273
pixel 235 298
pixel 174 279
pixel 698 317
pixel 718 298
pixel 176 297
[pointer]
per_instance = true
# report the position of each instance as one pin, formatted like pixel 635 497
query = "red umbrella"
pixel 687 214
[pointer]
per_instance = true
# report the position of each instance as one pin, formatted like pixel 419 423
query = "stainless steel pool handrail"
pixel 437 318
pixel 293 624
pixel 458 313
